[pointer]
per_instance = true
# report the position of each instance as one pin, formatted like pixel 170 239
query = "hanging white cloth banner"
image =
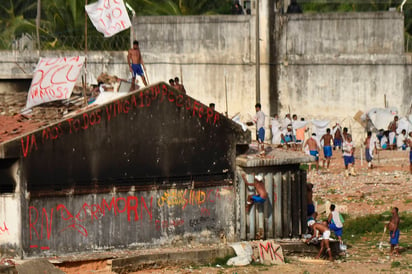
pixel 108 16
pixel 54 79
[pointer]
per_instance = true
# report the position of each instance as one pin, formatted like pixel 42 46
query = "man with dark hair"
pixel 294 7
pixel 259 120
pixel 370 148
pixel 349 155
pixel 261 195
pixel 135 61
pixel 324 230
pixel 393 227
pixel 179 86
pixel 393 125
pixel 171 82
pixel 237 8
pixel 313 147
pixel 212 106
pixel 335 222
pixel 327 147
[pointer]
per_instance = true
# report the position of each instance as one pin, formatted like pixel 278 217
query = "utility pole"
pixel 38 24
pixel 257 54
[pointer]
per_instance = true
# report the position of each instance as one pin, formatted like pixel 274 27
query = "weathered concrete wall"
pixel 10 224
pixel 212 54
pixel 342 33
pixel 10 208
pixel 134 219
pixel 349 60
pixel 332 65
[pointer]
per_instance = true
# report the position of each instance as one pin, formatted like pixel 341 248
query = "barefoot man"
pixel 261 195
pixel 327 147
pixel 325 237
pixel 393 227
pixel 313 146
pixel 135 61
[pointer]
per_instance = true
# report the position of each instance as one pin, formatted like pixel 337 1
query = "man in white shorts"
pixel 324 230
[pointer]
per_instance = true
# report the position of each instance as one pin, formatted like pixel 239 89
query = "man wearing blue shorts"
pixel 261 195
pixel 393 227
pixel 259 120
pixel 327 147
pixel 313 147
pixel 348 155
pixel 135 61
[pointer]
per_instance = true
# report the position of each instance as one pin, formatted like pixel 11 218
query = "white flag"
pixel 109 16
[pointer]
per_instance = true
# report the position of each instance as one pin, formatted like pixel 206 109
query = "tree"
pixel 13 22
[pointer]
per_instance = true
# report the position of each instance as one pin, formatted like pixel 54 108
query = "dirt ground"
pixel 371 191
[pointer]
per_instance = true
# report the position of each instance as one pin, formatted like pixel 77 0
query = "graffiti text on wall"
pixel 41 220
pixel 144 99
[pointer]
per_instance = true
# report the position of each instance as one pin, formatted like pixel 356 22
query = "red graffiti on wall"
pixel 40 224
pixel 273 251
pixel 4 229
pixel 143 99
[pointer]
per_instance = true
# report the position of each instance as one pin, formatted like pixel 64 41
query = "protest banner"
pixel 54 79
pixel 108 16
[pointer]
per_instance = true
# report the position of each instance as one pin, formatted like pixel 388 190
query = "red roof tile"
pixel 14 124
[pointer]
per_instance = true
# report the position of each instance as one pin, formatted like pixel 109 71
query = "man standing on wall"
pixel 135 61
pixel 259 120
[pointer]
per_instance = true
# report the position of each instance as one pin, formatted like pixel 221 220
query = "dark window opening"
pixel 7 182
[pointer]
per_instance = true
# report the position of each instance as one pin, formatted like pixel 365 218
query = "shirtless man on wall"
pixel 261 195
pixel 135 61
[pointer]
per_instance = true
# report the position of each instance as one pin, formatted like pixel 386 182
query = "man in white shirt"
pixel 259 120
pixel 401 140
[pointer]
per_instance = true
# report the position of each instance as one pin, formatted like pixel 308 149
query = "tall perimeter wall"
pixel 320 66
pixel 332 65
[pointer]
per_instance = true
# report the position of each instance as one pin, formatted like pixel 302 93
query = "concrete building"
pixel 153 167
pixel 128 173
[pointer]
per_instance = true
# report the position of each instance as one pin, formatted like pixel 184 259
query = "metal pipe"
pixel 257 54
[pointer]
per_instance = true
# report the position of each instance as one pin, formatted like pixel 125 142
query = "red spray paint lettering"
pixel 134 207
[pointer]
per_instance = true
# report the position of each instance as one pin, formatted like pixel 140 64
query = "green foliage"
pixel 15 20
pixel 395 264
pixel 374 223
pixel 63 22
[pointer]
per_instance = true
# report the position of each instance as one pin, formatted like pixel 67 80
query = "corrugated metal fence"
pixel 283 215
